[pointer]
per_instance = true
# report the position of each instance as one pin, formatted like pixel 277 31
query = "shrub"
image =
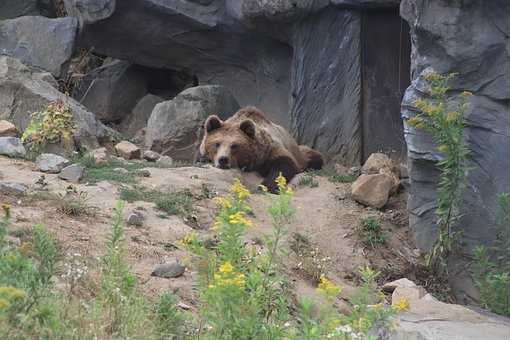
pixel 372 233
pixel 55 124
pixel 492 277
pixel 444 119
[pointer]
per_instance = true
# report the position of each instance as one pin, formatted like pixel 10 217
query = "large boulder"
pixel 23 91
pixel 10 9
pixel 40 42
pixel 111 91
pixel 12 147
pixel 471 39
pixel 372 190
pixel 174 127
pixel 141 113
pixel 200 36
pixel 323 112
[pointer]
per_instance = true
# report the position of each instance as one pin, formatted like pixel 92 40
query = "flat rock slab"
pixel 13 188
pixel 168 270
pixel 72 173
pixel 12 147
pixel 128 150
pixel 51 163
pixel 8 129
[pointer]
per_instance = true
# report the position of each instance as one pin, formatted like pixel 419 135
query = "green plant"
pixel 172 203
pixel 311 260
pixel 492 277
pixel 371 232
pixel 74 203
pixel 55 124
pixel 308 179
pixel 335 177
pixel 170 320
pixel 444 120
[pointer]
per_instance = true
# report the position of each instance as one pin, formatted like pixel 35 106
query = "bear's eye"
pixel 217 145
pixel 234 146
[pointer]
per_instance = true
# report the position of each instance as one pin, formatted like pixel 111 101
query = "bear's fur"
pixel 251 142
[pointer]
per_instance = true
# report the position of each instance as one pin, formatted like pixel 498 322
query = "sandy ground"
pixel 325 214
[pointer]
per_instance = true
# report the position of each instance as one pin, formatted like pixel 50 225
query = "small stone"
pixel 184 306
pixel 72 173
pixel 51 163
pixel 128 150
pixel 121 170
pixel 168 270
pixel 372 190
pixel 13 188
pixel 151 156
pixel 12 147
pixel 166 161
pixel 100 156
pixel 144 173
pixel 14 241
pixel 136 218
pixel 8 129
pixel 375 163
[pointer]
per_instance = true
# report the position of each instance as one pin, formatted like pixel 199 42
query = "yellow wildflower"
pixel 433 76
pixel 189 239
pixel 466 94
pixel 443 148
pixel 263 188
pixel 7 210
pixel 290 191
pixel 25 248
pixel 4 304
pixel 226 268
pixel 12 292
pixel 223 202
pixel 240 190
pixel 452 116
pixel 415 121
pixel 402 304
pixel 216 226
pixel 281 181
pixel 328 288
pixel 238 218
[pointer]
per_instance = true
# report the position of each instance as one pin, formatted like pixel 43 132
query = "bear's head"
pixel 230 144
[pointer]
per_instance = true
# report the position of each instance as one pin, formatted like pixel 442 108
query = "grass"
pixel 311 260
pixel 372 233
pixel 72 203
pixel 335 177
pixel 172 203
pixel 308 179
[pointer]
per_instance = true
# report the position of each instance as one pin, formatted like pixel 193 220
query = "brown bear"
pixel 251 142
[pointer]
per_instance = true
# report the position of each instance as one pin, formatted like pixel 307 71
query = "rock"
pixel 143 173
pixel 141 113
pixel 41 42
pixel 375 163
pixel 400 283
pixel 72 173
pixel 165 161
pixel 13 188
pixel 168 270
pixel 429 319
pixel 25 87
pixel 136 218
pixel 121 170
pixel 254 67
pixel 151 156
pixel 90 10
pixel 111 91
pixel 12 147
pixel 128 150
pixel 100 155
pixel 402 171
pixel 175 126
pixel 7 129
pixel 396 180
pixel 372 190
pixel 10 9
pixel 51 163
pixel 323 113
pixel 476 38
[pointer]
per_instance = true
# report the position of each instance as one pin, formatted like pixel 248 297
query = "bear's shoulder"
pixel 253 113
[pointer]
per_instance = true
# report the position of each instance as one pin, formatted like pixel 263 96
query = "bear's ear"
pixel 248 127
pixel 212 123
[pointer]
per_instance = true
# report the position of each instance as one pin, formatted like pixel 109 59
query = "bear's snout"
pixel 223 162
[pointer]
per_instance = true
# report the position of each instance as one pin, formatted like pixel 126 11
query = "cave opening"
pixel 385 73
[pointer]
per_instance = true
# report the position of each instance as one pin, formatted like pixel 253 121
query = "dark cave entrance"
pixel 386 60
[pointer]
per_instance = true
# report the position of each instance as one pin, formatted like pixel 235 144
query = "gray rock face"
pixel 175 125
pixel 50 163
pixel 12 147
pixel 471 39
pixel 13 188
pixel 111 91
pixel 72 173
pixel 136 218
pixel 10 9
pixel 138 118
pixel 169 270
pixel 200 36
pixel 90 10
pixel 41 42
pixel 326 77
pixel 23 91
